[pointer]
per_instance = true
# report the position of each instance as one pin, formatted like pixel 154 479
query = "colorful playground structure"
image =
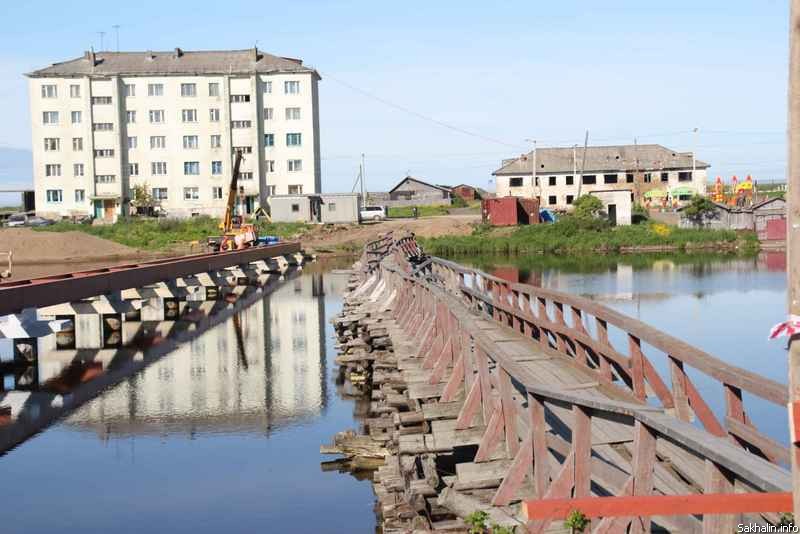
pixel 739 194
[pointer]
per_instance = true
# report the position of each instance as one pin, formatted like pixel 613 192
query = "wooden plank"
pixel 509 408
pixel 515 474
pixel 421 390
pixel 441 410
pixel 659 505
pixel 749 434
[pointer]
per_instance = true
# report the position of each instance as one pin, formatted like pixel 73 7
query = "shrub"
pixel 587 206
pixel 699 209
pixel 577 521
pixel 477 522
pixel 458 202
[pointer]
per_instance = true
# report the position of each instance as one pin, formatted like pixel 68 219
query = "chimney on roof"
pixel 150 56
pixel 178 52
pixel 90 56
pixel 256 57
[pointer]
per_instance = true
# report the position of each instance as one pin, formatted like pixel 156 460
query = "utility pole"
pixel 102 37
pixel 533 163
pixel 793 242
pixel 363 175
pixel 583 163
pixel 116 31
pixel 694 151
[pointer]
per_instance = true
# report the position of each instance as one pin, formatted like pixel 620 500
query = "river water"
pixel 221 433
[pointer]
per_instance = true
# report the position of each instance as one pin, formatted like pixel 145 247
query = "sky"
pixel 445 90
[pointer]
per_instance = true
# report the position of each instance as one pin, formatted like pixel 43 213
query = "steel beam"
pixel 18 295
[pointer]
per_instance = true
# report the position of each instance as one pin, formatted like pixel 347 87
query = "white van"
pixel 372 213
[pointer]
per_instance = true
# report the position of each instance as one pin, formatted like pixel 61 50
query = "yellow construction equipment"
pixel 236 235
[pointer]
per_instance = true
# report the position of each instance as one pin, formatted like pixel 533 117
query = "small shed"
pixel 510 211
pixel 618 204
pixel 326 208
pixel 769 219
pixel 722 218
pixel 414 190
pixel 466 192
pixel 340 208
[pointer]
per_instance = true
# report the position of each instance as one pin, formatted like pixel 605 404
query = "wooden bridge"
pixel 549 403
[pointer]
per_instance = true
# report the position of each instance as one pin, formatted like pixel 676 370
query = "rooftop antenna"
pixel 116 31
pixel 102 36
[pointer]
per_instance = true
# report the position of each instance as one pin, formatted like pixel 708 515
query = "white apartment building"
pixel 107 122
pixel 634 168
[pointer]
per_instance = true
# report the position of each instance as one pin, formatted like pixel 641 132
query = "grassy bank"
pixel 154 234
pixel 570 237
pixel 424 211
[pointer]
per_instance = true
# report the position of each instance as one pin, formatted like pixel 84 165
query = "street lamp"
pixel 533 172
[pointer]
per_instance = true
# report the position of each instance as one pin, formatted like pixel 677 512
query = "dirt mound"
pixel 29 246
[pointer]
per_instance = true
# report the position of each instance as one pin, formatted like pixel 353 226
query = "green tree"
pixel 143 199
pixel 587 206
pixel 699 209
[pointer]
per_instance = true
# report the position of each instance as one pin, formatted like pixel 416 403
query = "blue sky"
pixel 505 71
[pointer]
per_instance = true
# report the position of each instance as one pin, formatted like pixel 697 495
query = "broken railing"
pixel 548 433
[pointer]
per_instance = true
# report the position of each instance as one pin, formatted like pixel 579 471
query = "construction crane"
pixel 235 234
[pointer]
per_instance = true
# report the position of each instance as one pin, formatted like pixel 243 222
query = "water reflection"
pixel 242 363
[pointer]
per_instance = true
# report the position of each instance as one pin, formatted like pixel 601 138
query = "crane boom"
pixel 227 222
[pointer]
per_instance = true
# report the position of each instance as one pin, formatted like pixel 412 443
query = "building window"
pixel 295 189
pixel 270 165
pixel 49 91
pixel 245 175
pixel 292 114
pixel 155 89
pixel 270 190
pixel 104 153
pixel 52 169
pixel 609 178
pixel 191 167
pixel 213 89
pixel 293 139
pixel 589 179
pixel 191 193
pixel 52 144
pixel 241 124
pixel 102 126
pixel 214 114
pixel 648 177
pixel 77 169
pixel 130 89
pixel 243 149
pixel 291 88
pixel 515 182
pixel 190 142
pixel 158 168
pixel 75 91
pixel 158 141
pixel 77 144
pixel 331 206
pixel 189 115
pixel 267 87
pixel 216 193
pixel 130 117
pixel 156 116
pixel 101 100
pixel 216 141
pixel 665 177
pixel 268 114
pixel 160 193
pixel 551 180
pixel 50 117
pixel 295 207
pixel 570 180
pixel 75 116
pixel 133 142
pixel 105 179
pixel 133 169
pixel 216 167
pixel 188 89
pixel 269 139
pixel 54 195
pixel 552 200
pixel 240 98
pixel 294 165
pixel 570 198
pixel 685 176
pixel 80 195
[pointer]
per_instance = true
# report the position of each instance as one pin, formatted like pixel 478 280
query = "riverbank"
pixel 569 238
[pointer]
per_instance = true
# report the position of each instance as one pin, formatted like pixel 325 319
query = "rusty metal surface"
pixel 18 295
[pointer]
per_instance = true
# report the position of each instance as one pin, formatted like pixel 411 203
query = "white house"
pixel 106 122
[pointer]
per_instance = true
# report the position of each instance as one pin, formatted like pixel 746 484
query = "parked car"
pixel 16 220
pixel 39 221
pixel 372 213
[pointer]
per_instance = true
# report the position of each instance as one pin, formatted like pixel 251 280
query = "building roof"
pixel 600 159
pixel 174 62
pixel 417 180
pixel 766 201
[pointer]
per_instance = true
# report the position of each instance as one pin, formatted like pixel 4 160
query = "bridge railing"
pixel 561 322
pixel 503 396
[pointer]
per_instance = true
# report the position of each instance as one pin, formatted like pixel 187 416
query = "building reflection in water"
pixel 262 368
